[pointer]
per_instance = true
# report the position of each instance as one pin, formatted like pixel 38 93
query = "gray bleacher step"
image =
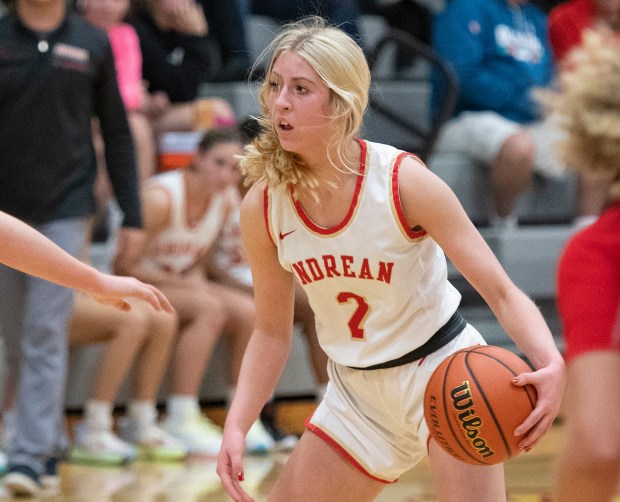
pixel 529 254
pixel 481 317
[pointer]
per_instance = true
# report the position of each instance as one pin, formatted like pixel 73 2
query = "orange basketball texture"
pixel 472 407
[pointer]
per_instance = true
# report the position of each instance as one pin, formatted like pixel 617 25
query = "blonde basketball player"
pixel 363 227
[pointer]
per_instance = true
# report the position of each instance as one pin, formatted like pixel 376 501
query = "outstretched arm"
pixel 27 250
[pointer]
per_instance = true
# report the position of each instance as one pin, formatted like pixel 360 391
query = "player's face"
pixel 299 103
pixel 218 166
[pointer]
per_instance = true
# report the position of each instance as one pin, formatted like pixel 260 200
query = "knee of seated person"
pixel 522 143
pixel 521 147
pixel 164 324
pixel 137 321
pixel 206 303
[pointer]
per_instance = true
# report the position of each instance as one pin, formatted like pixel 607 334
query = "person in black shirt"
pixel 56 73
pixel 175 53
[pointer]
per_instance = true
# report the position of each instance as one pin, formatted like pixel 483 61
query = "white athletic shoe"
pixel 100 448
pixel 152 442
pixel 196 432
pixel 258 440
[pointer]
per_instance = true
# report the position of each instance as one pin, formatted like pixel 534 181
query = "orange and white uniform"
pixel 379 290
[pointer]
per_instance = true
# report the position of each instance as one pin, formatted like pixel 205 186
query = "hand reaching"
pixel 115 290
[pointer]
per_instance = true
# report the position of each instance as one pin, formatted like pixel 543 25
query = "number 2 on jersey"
pixel 356 322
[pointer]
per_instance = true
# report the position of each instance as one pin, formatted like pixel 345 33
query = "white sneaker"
pixel 100 448
pixel 196 432
pixel 581 222
pixel 152 442
pixel 258 440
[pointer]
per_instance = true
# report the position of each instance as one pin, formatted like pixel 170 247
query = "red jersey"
pixel 589 286
pixel 566 24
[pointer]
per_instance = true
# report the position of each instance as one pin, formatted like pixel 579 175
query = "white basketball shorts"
pixel 375 418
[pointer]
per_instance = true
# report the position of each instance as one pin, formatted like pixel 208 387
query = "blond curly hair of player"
pixel 341 63
pixel 588 106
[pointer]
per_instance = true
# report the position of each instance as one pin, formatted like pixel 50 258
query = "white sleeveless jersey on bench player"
pixel 178 247
pixel 378 289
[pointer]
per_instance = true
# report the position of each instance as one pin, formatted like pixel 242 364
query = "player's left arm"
pixel 428 202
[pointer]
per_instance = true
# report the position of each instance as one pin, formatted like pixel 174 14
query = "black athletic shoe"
pixel 51 478
pixel 283 441
pixel 21 480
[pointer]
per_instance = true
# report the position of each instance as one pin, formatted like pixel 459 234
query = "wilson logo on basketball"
pixel 470 423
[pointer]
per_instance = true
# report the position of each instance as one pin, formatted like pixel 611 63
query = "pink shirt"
pixel 128 62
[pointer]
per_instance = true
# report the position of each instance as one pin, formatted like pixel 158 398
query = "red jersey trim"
pixel 396 204
pixel 266 214
pixel 345 454
pixel 352 208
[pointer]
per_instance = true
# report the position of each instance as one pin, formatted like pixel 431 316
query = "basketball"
pixel 472 407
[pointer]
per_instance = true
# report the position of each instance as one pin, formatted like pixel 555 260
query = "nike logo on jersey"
pixel 282 236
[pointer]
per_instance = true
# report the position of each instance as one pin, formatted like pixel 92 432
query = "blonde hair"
pixel 342 66
pixel 588 106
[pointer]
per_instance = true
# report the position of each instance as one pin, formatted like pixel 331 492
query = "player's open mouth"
pixel 285 126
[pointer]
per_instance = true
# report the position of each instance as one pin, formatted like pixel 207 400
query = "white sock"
pixel 143 412
pixel 581 222
pixel 98 416
pixel 181 406
pixel 505 223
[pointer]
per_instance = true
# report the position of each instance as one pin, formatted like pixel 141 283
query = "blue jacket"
pixel 499 52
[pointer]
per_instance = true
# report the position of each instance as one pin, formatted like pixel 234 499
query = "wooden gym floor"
pixel 528 476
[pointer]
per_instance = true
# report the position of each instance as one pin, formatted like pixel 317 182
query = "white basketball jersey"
pixel 229 254
pixel 378 289
pixel 179 246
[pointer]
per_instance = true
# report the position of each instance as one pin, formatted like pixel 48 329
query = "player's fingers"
pixel 240 495
pixel 146 292
pixel 163 302
pixel 530 378
pixel 238 475
pixel 231 478
pixel 532 420
pixel 535 434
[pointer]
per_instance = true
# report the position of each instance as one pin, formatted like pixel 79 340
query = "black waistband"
pixel 442 336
